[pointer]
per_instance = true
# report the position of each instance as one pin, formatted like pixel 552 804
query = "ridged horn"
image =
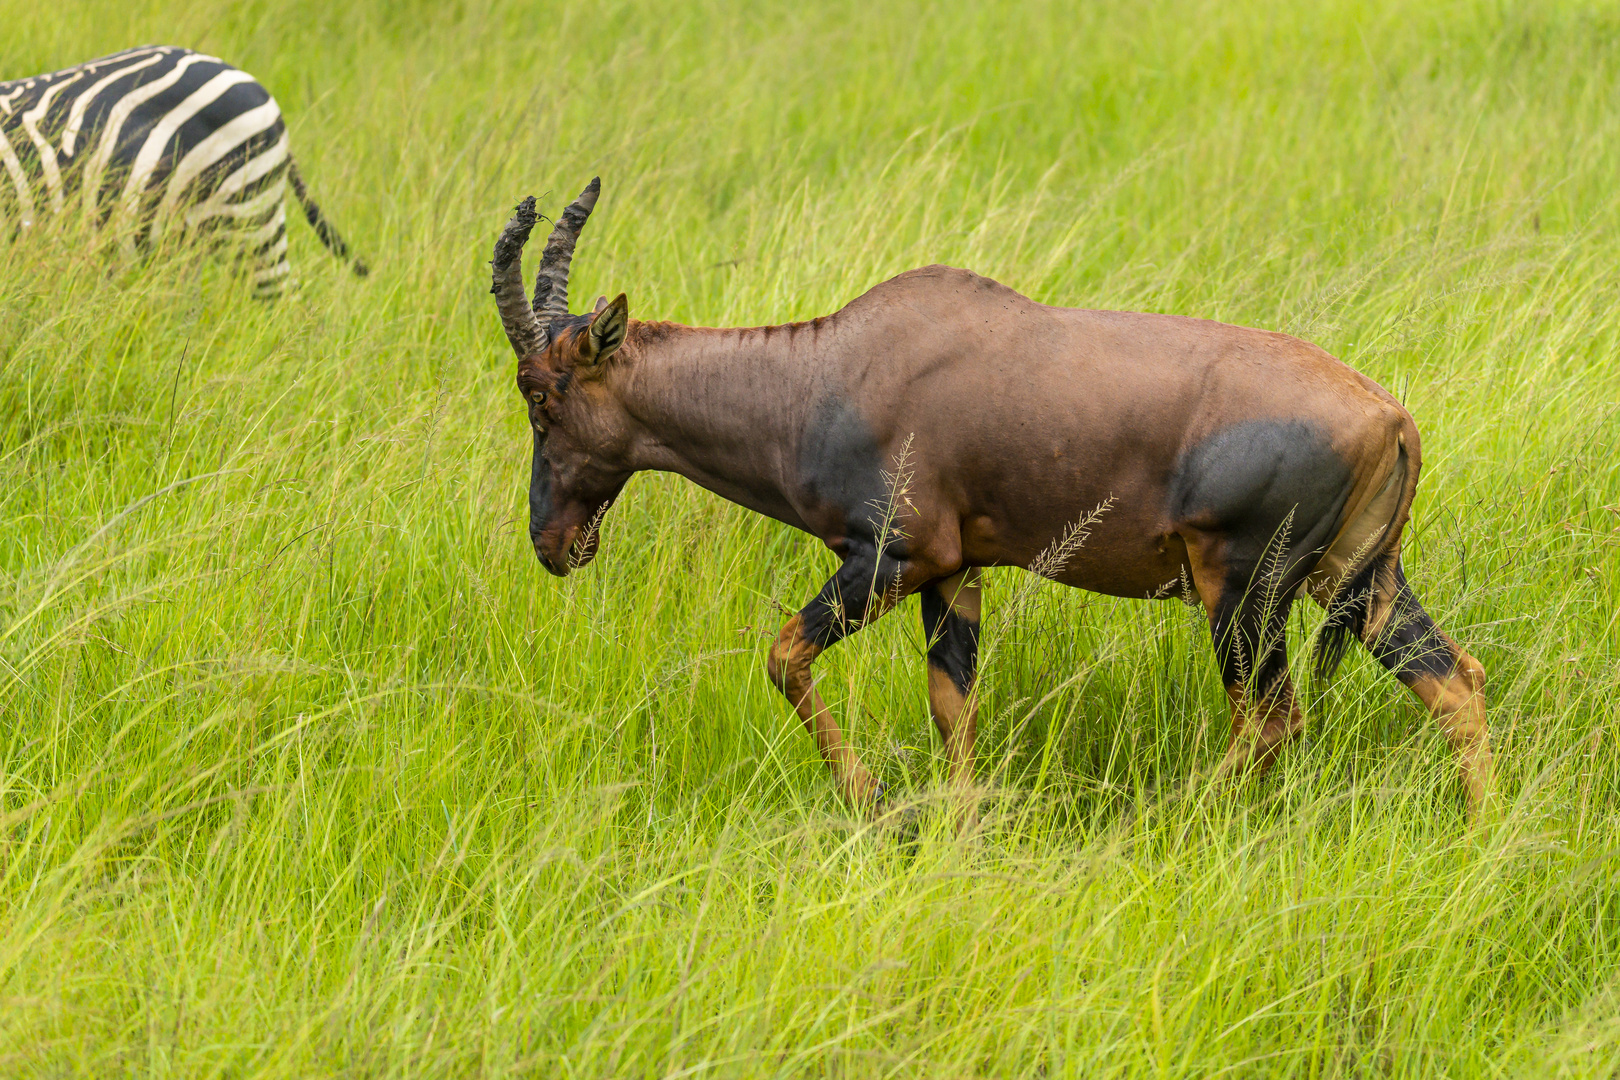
pixel 551 284
pixel 523 330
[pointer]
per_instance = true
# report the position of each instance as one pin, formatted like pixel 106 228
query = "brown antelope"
pixel 1241 467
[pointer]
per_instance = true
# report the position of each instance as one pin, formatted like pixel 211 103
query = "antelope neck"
pixel 725 408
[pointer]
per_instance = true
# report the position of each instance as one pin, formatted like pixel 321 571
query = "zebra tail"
pixel 323 228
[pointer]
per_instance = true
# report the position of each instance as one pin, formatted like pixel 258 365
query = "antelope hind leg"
pixel 1247 624
pixel 1448 681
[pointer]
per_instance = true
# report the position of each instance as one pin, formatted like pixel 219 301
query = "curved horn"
pixel 551 284
pixel 523 330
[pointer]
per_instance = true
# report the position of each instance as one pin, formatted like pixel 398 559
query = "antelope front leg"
pixel 789 667
pixel 863 589
pixel 950 614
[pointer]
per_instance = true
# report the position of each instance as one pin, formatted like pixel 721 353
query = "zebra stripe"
pixel 25 197
pixel 70 135
pixel 153 141
pixel 30 123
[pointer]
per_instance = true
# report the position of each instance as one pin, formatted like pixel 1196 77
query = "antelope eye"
pixel 538 397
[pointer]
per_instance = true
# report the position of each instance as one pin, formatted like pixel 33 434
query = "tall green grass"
pixel 306 767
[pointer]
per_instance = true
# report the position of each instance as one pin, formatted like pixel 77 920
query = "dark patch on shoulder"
pixel 841 464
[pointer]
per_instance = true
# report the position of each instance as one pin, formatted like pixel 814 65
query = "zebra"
pixel 152 141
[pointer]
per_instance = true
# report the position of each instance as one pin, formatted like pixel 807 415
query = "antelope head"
pixel 580 431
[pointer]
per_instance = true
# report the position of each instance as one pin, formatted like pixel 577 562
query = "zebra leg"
pixel 267 243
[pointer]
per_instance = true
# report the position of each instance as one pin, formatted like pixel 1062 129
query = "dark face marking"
pixel 562 324
pixel 539 490
pixel 566 506
pixel 953 642
pixel 572 481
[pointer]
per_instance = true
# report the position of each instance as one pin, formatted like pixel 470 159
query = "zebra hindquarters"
pixel 246 209
pixel 155 146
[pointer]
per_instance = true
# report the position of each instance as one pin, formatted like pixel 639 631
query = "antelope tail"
pixel 1352 605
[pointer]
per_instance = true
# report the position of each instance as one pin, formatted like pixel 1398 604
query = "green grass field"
pixel 308 769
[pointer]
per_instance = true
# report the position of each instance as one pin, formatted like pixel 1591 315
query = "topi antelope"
pixel 1241 469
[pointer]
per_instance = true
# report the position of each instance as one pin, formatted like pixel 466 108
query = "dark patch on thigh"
pixel 1255 472
pixel 953 642
pixel 1243 482
pixel 841 465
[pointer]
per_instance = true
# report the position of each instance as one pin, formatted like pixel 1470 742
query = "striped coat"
pixel 155 141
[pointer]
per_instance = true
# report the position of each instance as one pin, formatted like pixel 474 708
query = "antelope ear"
pixel 601 302
pixel 606 332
